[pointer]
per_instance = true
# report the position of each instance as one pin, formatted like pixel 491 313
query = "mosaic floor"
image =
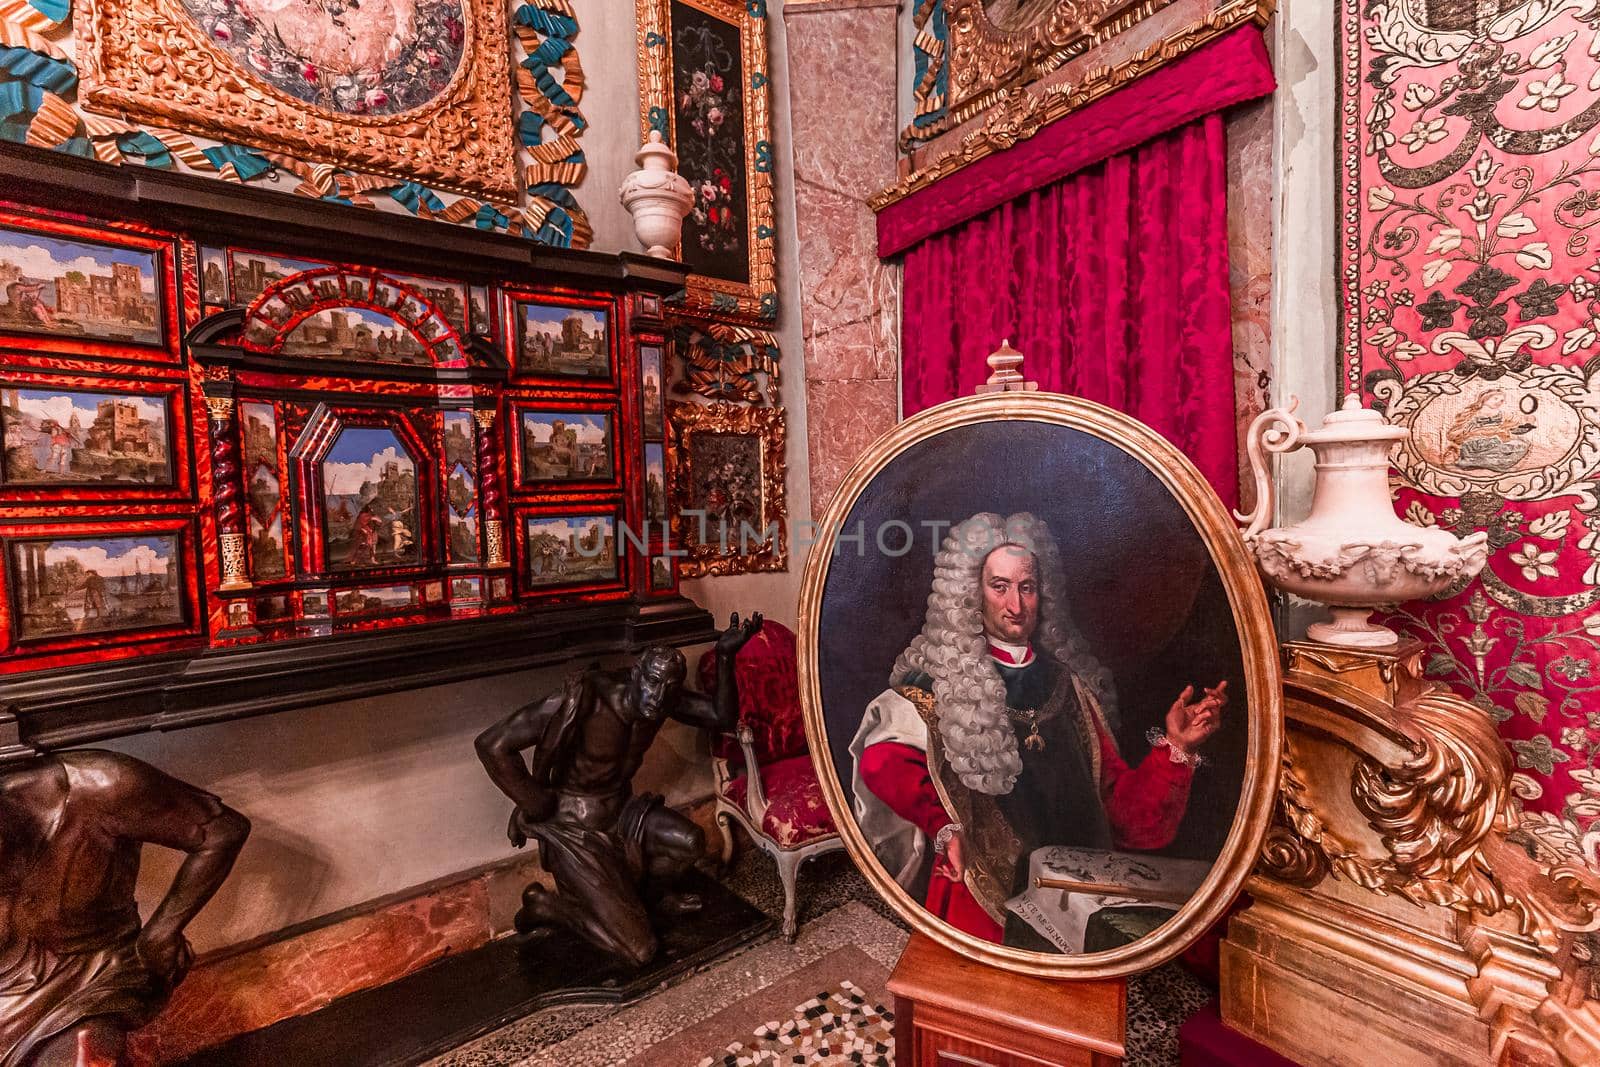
pixel 840 1026
pixel 818 1001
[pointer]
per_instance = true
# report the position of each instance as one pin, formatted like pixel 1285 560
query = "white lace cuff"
pixel 941 840
pixel 1158 739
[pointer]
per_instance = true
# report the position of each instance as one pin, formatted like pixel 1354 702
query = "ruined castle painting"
pixel 77 289
pixel 570 549
pixel 71 437
pixel 67 586
pixel 355 333
pixel 566 446
pixel 565 342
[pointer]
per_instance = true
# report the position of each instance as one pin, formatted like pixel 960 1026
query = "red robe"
pixel 1144 805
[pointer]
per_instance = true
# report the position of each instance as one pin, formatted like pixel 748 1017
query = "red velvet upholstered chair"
pixel 765 781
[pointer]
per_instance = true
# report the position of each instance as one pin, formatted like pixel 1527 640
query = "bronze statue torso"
pixel 54 830
pixel 611 742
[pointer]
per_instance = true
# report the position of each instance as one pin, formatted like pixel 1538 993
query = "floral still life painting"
pixel 709 124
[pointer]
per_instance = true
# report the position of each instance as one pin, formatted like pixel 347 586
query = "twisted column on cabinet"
pixel 226 473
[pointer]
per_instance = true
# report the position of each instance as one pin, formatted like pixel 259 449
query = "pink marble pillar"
pixel 1250 214
pixel 842 74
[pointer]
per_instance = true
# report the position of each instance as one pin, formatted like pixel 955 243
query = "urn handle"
pixel 1275 430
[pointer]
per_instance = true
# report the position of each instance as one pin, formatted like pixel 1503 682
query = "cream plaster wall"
pixel 359 800
pixel 1304 293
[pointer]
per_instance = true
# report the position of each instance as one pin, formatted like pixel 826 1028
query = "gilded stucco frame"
pixel 1004 96
pixel 705 295
pixel 985 57
pixel 769 425
pixel 148 60
pixel 1246 595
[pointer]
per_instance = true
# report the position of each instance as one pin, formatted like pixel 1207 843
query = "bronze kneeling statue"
pixel 607 848
pixel 77 971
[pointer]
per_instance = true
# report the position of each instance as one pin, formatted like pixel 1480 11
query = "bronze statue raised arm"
pixel 605 847
pixel 77 971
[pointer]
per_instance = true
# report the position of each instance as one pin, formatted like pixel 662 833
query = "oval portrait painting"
pixel 1041 685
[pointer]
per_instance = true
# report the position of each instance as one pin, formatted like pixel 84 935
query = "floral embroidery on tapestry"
pixel 1470 312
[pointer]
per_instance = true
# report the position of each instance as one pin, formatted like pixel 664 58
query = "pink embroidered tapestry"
pixel 1469 184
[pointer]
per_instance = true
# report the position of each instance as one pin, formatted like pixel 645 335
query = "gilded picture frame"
pixel 839 654
pixel 727 470
pixel 438 110
pixel 711 100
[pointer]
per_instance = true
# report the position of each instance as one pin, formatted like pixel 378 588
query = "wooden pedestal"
pixel 950 1011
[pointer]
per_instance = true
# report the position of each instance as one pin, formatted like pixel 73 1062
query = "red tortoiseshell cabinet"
pixel 261 451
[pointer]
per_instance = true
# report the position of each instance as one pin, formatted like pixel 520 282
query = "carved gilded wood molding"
pixel 1014 111
pixel 986 57
pixel 154 60
pixel 728 470
pixel 1403 789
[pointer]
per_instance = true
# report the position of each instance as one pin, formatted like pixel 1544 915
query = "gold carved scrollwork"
pixel 1290 857
pixel 148 59
pixel 1429 811
pixel 985 57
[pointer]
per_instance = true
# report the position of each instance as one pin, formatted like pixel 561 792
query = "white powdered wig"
pixel 953 651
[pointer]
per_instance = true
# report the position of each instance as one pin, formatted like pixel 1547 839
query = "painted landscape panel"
pixel 253 273
pixel 214 276
pixel 65 288
pixel 655 483
pixel 561 341
pixel 373 599
pixel 478 309
pixel 449 297
pixel 461 487
pixel 369 485
pixel 566 446
pixel 67 586
pixel 650 375
pixel 75 437
pixel 571 549
pixel 355 333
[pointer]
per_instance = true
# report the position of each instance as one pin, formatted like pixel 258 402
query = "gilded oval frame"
pixel 1258 645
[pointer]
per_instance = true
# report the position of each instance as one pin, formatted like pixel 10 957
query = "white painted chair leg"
pixel 789 873
pixel 725 824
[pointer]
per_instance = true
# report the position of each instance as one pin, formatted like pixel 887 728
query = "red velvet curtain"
pixel 1112 282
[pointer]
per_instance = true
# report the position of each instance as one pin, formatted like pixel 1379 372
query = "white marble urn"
pixel 1352 553
pixel 657 197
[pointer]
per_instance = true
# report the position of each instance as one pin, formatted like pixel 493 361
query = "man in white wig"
pixel 993 739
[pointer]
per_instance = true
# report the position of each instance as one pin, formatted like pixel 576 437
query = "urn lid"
pixel 1352 422
pixel 654 154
